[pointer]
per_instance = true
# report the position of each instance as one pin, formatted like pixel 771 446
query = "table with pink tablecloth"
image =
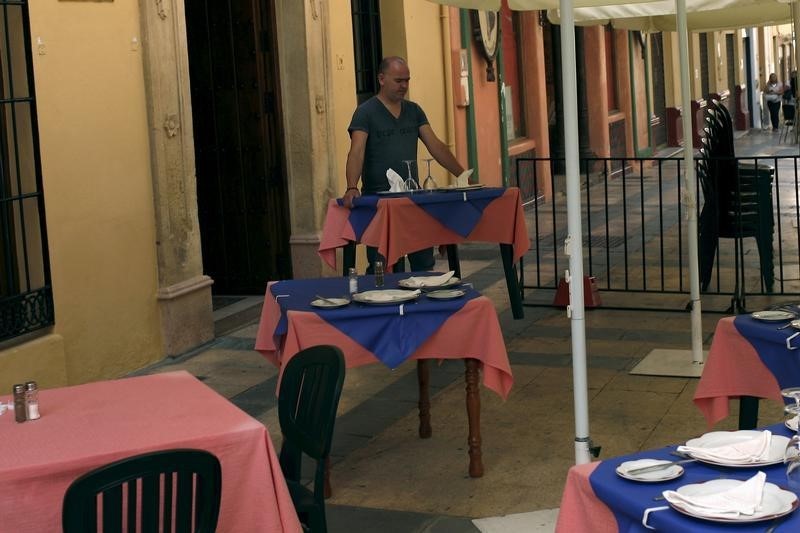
pixel 472 334
pixel 597 500
pixel 734 369
pixel 399 226
pixel 86 426
pixel 580 508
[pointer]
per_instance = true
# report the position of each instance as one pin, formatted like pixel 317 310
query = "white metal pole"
pixel 755 100
pixel 689 196
pixel 573 244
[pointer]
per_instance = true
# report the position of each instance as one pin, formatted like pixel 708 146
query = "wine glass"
pixel 791 457
pixel 429 184
pixel 411 183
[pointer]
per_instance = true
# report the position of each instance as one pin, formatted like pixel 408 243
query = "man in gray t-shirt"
pixel 383 133
pixel 390 140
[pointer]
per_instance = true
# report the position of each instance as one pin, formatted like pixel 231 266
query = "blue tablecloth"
pixel 629 499
pixel 391 332
pixel 459 211
pixel 770 345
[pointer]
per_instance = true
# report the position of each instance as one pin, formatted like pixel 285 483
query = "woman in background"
pixel 773 93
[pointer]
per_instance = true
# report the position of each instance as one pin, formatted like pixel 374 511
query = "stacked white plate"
pixel 775 501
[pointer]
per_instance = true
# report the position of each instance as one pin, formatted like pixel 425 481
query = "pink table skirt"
pixel 87 426
pixel 473 332
pixel 733 369
pixel 400 226
pixel 580 509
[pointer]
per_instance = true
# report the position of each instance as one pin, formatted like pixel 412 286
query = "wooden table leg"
pixel 471 375
pixel 423 376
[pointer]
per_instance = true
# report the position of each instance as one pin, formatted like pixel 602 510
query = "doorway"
pixel 239 153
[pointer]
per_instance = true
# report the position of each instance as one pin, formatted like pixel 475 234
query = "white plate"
pixel 792 423
pixel 773 316
pixel 715 439
pixel 385 296
pixel 775 502
pixel 446 294
pixel 330 303
pixel 409 283
pixel 649 477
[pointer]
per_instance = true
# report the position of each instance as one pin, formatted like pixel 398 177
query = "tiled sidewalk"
pixel 386 479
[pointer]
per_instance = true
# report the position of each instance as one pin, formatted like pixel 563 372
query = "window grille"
pixel 26 301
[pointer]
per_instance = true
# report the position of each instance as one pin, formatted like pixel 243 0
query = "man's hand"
pixel 348 197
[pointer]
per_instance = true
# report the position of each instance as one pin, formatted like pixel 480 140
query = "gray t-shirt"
pixel 390 140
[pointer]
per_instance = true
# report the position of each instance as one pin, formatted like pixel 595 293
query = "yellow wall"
pixel 98 196
pixel 408 29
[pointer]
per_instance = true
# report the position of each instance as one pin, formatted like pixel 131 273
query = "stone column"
pixel 305 79
pixel 184 293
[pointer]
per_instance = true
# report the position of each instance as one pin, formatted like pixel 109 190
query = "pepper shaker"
pixel 19 403
pixel 32 400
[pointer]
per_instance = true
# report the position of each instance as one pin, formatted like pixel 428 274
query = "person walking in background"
pixel 773 93
pixel 384 132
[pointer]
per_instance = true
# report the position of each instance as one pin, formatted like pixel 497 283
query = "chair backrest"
pixel 140 490
pixel 311 385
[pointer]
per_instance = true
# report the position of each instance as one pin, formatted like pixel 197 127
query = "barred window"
pixel 26 301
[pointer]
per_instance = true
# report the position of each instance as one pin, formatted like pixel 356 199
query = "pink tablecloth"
pixel 732 369
pixel 473 332
pixel 400 226
pixel 580 509
pixel 90 425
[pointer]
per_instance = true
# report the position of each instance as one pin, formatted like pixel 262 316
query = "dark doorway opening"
pixel 239 152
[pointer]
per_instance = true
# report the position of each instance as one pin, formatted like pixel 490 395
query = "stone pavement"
pixel 387 479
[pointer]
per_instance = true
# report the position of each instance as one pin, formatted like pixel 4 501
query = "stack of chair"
pixel 737 203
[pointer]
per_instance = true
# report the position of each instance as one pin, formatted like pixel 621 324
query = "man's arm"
pixel 439 150
pixel 354 166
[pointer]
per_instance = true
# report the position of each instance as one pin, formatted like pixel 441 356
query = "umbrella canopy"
pixel 526 5
pixel 701 15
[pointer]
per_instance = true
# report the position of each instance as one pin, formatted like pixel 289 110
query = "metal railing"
pixel 635 229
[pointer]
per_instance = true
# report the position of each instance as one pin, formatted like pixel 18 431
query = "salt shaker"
pixel 353 281
pixel 19 403
pixel 378 274
pixel 32 400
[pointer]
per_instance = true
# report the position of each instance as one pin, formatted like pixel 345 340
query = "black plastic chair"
pixel 311 385
pixel 737 204
pixel 193 478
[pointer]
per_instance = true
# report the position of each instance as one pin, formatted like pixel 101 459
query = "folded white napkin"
pixel 387 295
pixel 429 281
pixel 742 499
pixel 396 183
pixel 463 179
pixel 754 450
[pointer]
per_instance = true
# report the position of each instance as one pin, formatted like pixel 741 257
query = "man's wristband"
pixel 351 189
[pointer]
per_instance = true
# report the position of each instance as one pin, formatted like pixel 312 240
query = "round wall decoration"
pixel 485 26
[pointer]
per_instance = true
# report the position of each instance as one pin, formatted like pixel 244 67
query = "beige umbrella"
pixel 526 5
pixel 701 15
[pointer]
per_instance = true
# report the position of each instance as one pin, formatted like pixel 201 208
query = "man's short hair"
pixel 386 62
